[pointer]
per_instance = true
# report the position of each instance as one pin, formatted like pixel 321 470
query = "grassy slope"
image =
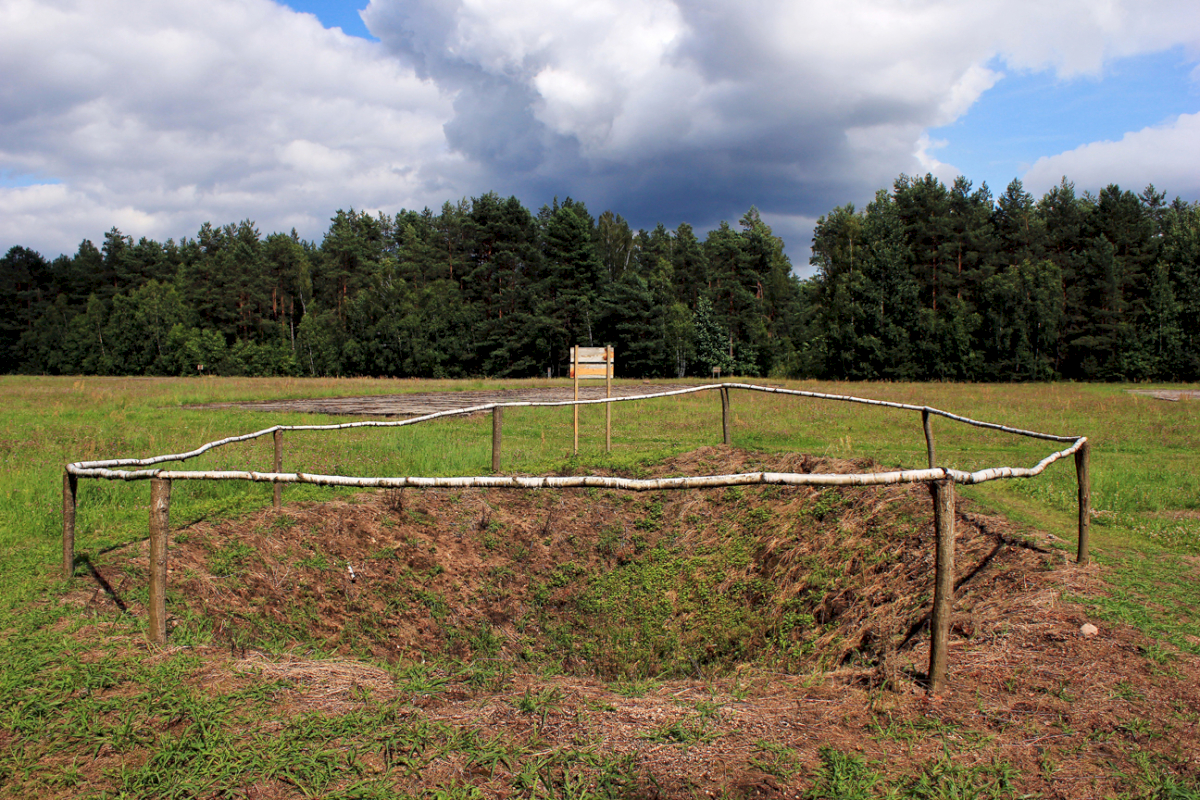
pixel 1145 484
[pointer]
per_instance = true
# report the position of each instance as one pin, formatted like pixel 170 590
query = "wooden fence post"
pixel 725 415
pixel 608 376
pixel 70 488
pixel 1085 501
pixel 160 525
pixel 928 426
pixel 575 408
pixel 497 436
pixel 278 468
pixel 943 586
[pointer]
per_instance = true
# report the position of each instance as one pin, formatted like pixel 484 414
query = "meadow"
pixel 1145 528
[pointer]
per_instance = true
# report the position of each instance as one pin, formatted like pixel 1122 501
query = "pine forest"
pixel 928 282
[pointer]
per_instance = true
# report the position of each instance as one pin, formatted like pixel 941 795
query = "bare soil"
pixel 419 403
pixel 468 576
pixel 1173 395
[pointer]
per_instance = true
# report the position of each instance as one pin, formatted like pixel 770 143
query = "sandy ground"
pixel 416 404
pixel 1174 395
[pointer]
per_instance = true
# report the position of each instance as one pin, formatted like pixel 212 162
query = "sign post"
pixel 575 408
pixel 594 363
pixel 608 375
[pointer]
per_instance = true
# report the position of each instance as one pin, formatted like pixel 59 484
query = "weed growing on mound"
pixel 704 581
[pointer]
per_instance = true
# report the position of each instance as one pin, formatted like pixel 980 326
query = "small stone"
pixel 1088 630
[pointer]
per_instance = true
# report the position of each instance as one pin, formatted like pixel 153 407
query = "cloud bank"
pixel 1165 155
pixel 156 117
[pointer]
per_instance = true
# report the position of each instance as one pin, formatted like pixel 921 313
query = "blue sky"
pixel 11 178
pixel 156 116
pixel 1028 114
pixel 335 15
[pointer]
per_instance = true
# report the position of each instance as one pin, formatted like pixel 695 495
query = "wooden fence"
pixel 941 479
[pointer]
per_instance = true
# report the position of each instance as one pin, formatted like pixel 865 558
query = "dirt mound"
pixel 600 582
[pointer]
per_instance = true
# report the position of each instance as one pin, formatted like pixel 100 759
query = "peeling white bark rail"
pixel 941 479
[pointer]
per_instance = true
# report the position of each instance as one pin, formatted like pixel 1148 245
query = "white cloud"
pixel 1165 155
pixel 929 163
pixel 156 117
pixel 962 95
pixel 1077 37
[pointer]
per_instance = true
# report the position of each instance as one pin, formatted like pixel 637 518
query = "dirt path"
pixel 1173 395
pixel 409 405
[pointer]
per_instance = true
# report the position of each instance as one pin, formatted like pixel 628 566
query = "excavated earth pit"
pixel 763 620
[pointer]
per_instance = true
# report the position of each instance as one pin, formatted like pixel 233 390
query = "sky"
pixel 155 116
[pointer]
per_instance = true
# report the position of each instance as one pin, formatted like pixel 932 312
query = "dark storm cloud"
pixel 660 111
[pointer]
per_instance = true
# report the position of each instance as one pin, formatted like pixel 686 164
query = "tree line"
pixel 932 282
pixel 927 282
pixel 485 287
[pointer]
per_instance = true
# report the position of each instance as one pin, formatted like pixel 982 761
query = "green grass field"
pixel 1145 496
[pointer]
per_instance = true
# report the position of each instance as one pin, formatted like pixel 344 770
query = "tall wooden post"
pixel 943 586
pixel 70 488
pixel 725 415
pixel 278 468
pixel 575 408
pixel 937 647
pixel 1085 501
pixel 928 426
pixel 608 376
pixel 497 435
pixel 160 525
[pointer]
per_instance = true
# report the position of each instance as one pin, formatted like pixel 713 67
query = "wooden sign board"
pixel 595 363
pixel 590 371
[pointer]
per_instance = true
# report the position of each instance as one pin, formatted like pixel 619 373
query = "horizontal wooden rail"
pixel 564 482
pixel 538 482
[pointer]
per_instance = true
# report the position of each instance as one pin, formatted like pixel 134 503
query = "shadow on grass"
pixel 103 583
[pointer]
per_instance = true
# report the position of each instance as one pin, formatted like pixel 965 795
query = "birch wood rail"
pixel 942 481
